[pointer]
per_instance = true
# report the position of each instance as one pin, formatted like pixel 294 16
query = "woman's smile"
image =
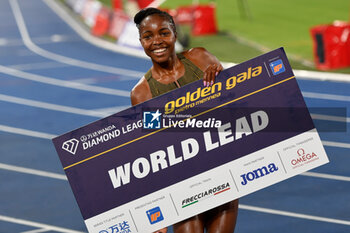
pixel 160 51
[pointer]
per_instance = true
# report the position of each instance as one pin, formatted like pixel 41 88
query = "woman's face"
pixel 157 38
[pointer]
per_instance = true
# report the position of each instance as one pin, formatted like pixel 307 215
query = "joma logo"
pixel 260 172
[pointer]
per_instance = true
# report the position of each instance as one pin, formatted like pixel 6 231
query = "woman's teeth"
pixel 159 50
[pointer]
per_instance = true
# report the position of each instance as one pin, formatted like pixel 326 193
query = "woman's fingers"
pixel 210 73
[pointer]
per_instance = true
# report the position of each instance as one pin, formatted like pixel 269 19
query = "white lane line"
pixel 294 215
pixel 37 231
pixel 62 13
pixel 32 171
pixel 3 41
pixel 323 76
pixel 326 176
pixel 329 118
pixel 67 60
pixel 39 40
pixel 336 144
pixel 86 80
pixel 36 224
pixel 315 95
pixel 63 83
pixel 55 38
pixel 10 42
pixel 39 65
pixel 54 107
pixel 26 132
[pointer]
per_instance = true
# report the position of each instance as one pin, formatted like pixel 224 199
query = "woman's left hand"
pixel 210 74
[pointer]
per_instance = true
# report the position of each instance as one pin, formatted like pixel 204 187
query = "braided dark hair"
pixel 142 14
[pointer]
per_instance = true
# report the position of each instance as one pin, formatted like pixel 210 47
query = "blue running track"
pixel 52 81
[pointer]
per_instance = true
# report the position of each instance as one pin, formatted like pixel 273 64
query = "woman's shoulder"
pixel 140 92
pixel 200 57
pixel 195 52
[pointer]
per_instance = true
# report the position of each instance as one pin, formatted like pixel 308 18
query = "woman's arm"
pixel 141 92
pixel 207 62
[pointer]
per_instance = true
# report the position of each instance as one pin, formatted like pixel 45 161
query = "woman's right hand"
pixel 210 74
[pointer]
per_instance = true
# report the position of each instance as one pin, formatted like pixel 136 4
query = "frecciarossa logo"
pixel 258 173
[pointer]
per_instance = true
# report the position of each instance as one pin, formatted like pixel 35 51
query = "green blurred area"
pixel 106 2
pixel 251 27
pixel 248 28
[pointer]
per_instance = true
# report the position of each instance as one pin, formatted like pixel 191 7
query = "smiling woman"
pixel 158 35
pixel 170 70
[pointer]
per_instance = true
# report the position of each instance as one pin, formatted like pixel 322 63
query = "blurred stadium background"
pixel 247 28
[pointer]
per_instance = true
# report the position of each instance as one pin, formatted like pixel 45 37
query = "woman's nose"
pixel 157 40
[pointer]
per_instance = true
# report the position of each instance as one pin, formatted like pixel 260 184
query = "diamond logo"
pixel 71 145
